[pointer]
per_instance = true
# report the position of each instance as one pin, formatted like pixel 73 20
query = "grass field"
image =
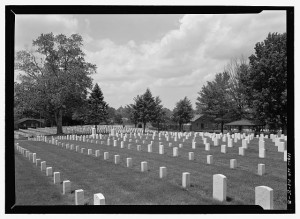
pixel 128 186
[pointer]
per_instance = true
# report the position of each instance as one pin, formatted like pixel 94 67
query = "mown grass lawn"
pixel 122 185
pixel 34 188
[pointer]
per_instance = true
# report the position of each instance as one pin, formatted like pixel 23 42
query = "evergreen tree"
pixel 132 113
pixel 159 113
pixel 97 107
pixel 145 107
pixel 183 112
pixel 215 101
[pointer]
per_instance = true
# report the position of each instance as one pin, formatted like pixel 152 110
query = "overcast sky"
pixel 173 55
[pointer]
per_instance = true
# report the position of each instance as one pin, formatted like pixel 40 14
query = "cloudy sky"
pixel 173 55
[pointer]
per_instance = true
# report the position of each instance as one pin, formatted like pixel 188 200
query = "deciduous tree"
pixel 54 76
pixel 266 82
pixel 215 101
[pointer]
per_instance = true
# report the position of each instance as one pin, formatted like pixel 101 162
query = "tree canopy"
pixel 96 107
pixel 145 107
pixel 54 75
pixel 266 82
pixel 214 99
pixel 183 112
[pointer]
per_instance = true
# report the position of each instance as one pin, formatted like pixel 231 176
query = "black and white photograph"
pixel 187 107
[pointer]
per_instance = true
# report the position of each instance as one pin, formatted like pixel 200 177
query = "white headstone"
pixel 49 171
pixel 210 159
pixel 233 163
pixel 149 148
pixel 261 153
pixel 261 169
pixel 56 177
pixel 144 166
pixel 186 179
pixel 66 186
pixel 175 152
pixel 99 199
pixel 207 146
pixel 219 187
pixel 117 159
pixel 162 172
pixel 79 197
pixel 97 153
pixel 264 197
pixel 223 149
pixel 89 151
pixel 281 147
pixel 106 155
pixel 37 161
pixel 161 149
pixel 285 156
pixel 244 143
pixel 193 145
pixel 129 162
pixel 241 151
pixel 34 157
pixel 191 156
pixel 43 165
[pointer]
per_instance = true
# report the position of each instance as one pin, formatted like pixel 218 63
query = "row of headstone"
pixel 263 194
pixel 79 197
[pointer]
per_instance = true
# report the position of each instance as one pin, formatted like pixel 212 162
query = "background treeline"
pixel 56 85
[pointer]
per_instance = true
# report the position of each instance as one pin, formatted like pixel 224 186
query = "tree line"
pixel 55 82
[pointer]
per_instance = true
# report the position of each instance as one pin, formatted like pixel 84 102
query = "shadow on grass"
pixel 229 199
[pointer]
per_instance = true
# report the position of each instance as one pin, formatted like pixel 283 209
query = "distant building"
pixel 202 122
pixel 28 123
pixel 245 125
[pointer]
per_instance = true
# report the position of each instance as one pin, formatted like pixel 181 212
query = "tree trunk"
pixel 180 127
pixel 58 118
pixel 222 123
pixel 158 127
pixel 144 127
pixel 284 127
pixel 96 127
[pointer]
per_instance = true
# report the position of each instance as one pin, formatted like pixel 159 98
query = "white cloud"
pixel 179 63
pixel 29 27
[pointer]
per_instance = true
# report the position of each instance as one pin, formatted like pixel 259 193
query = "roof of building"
pixel 196 117
pixel 25 119
pixel 244 122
